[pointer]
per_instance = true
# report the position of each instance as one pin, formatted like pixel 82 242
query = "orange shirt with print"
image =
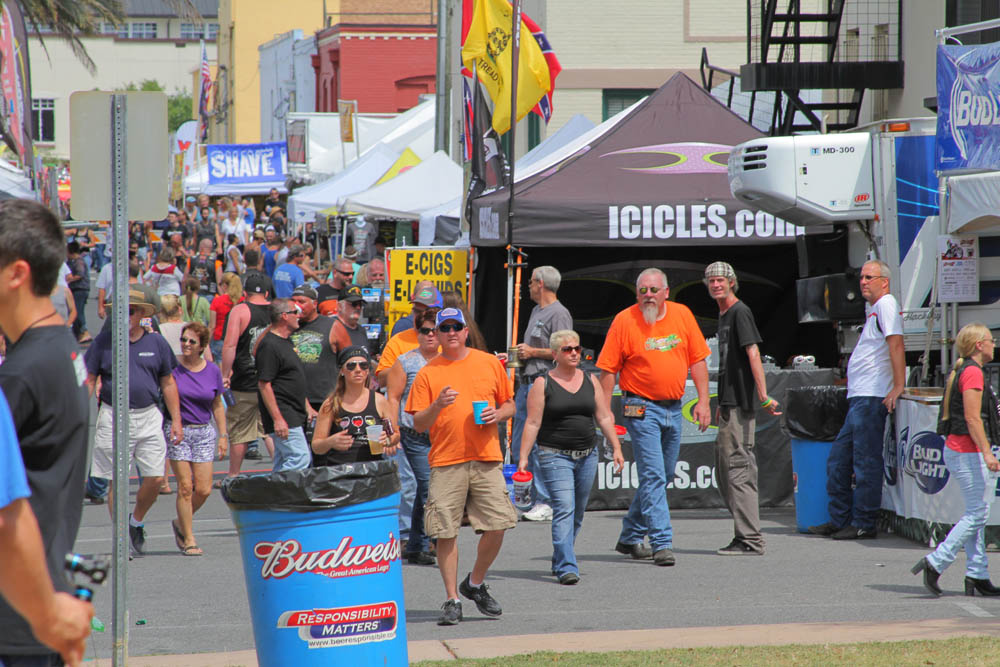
pixel 455 436
pixel 653 359
pixel 396 347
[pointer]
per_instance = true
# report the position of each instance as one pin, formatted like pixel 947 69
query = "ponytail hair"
pixel 965 345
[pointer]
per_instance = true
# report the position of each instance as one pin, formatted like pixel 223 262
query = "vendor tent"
pixel 433 182
pixel 440 225
pixel 656 176
pixel 360 175
pixel 574 127
pixel 13 183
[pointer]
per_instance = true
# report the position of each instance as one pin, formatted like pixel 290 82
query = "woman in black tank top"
pixel 339 437
pixel 562 406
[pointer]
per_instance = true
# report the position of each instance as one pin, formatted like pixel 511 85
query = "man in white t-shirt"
pixel 875 379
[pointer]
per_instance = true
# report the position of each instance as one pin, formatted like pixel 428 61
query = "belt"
pixel 572 453
pixel 528 379
pixel 413 433
pixel 664 403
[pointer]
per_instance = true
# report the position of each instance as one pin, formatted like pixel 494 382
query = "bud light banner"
pixel 247 164
pixel 968 94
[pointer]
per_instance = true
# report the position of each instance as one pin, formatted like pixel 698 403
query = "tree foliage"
pixel 178 103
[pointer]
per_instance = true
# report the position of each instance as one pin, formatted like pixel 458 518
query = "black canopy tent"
pixel 650 191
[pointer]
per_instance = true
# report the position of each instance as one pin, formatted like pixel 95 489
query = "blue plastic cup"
pixel 477 410
pixel 325 586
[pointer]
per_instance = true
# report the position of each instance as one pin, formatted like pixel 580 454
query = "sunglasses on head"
pixel 651 290
pixel 352 365
pixel 427 331
pixel 447 328
pixel 572 348
pixel 190 341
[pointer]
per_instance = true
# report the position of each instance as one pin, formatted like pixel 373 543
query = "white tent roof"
pixel 973 202
pixel 433 182
pixel 13 183
pixel 359 175
pixel 327 154
pixel 572 129
pixel 429 218
pixel 196 183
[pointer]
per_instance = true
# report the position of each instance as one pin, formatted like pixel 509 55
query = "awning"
pixel 974 203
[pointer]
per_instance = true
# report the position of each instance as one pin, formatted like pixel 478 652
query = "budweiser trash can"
pixel 321 558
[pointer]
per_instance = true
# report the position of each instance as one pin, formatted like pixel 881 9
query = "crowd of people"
pixel 250 340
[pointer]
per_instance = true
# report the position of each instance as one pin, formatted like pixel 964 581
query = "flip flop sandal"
pixel 193 550
pixel 178 536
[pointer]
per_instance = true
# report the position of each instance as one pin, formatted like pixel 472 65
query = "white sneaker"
pixel 540 512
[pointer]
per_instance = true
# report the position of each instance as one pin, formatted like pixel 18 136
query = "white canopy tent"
pixel 974 203
pixel 445 217
pixel 13 183
pixel 360 175
pixel 435 181
pixel 574 127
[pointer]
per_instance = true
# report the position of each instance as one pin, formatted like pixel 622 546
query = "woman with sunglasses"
pixel 562 406
pixel 339 436
pixel 416 446
pixel 199 385
pixel 969 419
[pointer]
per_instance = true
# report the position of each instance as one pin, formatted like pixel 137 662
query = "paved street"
pixel 199 604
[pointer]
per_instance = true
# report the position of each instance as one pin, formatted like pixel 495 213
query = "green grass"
pixel 967 652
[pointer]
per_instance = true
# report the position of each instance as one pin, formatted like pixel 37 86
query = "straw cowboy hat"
pixel 137 299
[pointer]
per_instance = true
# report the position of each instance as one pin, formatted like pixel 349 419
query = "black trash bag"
pixel 312 489
pixel 815 413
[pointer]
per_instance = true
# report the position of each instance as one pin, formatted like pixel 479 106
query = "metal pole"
pixel 120 343
pixel 441 89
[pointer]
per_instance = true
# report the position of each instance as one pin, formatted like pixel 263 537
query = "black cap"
pixel 257 283
pixel 305 290
pixel 351 352
pixel 353 294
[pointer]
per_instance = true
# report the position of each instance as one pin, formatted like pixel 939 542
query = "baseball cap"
pixel 450 314
pixel 190 199
pixel 352 294
pixel 305 290
pixel 257 283
pixel 429 296
pixel 270 228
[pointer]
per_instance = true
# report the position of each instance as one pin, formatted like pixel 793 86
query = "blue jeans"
pixel 968 470
pixel 417 450
pixel 216 347
pixel 656 443
pixel 407 490
pixel 569 482
pixel 857 450
pixel 291 453
pixel 541 492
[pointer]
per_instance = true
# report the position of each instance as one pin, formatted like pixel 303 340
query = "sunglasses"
pixel 132 311
pixel 572 348
pixel 344 273
pixel 651 290
pixel 290 312
pixel 427 331
pixel 867 278
pixel 448 328
pixel 190 341
pixel 352 365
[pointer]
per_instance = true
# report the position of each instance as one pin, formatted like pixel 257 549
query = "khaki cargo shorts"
pixel 477 487
pixel 243 419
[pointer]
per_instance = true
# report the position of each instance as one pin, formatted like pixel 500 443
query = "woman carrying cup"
pixel 968 417
pixel 562 406
pixel 199 385
pixel 352 408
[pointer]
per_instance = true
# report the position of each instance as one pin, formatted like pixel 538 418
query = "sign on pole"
pixel 146 160
pixel 446 267
pixel 958 269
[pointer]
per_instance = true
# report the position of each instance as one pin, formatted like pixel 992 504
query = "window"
pixel 617 100
pixel 198 30
pixel 142 30
pixel 43 119
pixel 534 130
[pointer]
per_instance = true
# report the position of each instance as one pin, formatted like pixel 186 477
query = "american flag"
pixel 206 90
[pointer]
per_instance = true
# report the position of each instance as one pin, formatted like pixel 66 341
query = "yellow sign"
pixel 347 121
pixel 447 268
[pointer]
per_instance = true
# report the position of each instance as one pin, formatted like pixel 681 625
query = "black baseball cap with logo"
pixel 352 294
pixel 257 283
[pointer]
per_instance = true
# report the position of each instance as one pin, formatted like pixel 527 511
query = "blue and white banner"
pixel 968 94
pixel 245 164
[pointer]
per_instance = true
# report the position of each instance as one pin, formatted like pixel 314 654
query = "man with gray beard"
pixel 653 345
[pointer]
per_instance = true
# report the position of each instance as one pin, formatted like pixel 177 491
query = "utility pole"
pixel 441 102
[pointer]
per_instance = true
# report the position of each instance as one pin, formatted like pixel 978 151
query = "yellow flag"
pixel 405 161
pixel 489 44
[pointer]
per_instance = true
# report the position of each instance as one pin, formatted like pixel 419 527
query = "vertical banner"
pixel 968 94
pixel 347 109
pixel 446 267
pixel 15 79
pixel 958 269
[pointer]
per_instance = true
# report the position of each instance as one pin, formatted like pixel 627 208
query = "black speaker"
pixel 833 297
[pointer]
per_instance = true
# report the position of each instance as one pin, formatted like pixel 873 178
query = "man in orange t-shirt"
pixel 465 458
pixel 652 345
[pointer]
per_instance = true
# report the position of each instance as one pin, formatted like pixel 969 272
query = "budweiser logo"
pixel 283 558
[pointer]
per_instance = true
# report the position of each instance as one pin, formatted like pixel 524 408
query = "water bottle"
pixel 522 490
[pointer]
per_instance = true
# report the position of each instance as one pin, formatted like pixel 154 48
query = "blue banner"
pixel 247 164
pixel 968 94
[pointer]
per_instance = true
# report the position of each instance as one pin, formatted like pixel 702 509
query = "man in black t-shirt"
pixel 281 382
pixel 43 380
pixel 740 372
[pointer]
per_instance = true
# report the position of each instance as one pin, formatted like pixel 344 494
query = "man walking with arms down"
pixel 652 345
pixel 465 458
pixel 740 374
pixel 875 379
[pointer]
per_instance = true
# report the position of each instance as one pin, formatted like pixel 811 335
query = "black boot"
pixel 982 586
pixel 930 576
